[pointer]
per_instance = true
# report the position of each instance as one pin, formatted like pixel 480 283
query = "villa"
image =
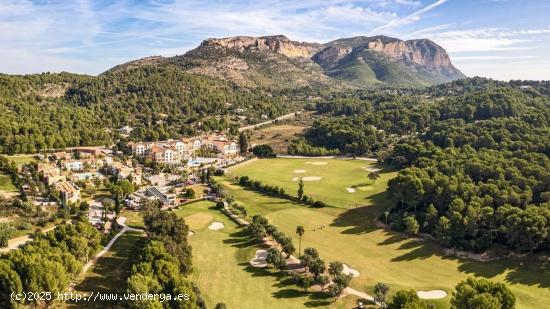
pixel 174 151
pixel 69 192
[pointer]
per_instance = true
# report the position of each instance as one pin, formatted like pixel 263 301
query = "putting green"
pixel 350 236
pixel 333 178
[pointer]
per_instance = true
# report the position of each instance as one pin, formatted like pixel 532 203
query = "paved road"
pixel 283 117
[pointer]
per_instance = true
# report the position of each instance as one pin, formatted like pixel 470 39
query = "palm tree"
pixel 373 176
pixel 300 231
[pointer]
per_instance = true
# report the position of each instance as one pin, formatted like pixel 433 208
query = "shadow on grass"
pixel 241 239
pixel 532 273
pixel 319 299
pixel 533 270
pixel 392 238
pixel 283 282
pixel 362 219
pixel 110 272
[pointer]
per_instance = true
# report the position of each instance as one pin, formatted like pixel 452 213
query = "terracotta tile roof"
pixel 66 187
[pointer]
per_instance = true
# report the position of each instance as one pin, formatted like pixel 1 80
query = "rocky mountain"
pixel 380 59
pixel 278 62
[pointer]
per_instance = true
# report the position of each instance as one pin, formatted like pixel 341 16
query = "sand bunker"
pixel 299 171
pixel 373 169
pixel 307 178
pixel 259 259
pixel 350 271
pixel 216 226
pixel 190 233
pixel 350 190
pixel 317 163
pixel 433 294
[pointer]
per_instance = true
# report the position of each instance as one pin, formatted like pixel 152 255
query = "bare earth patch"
pixel 351 190
pixel 299 171
pixel 307 178
pixel 317 163
pixel 259 259
pixel 350 271
pixel 216 226
pixel 433 294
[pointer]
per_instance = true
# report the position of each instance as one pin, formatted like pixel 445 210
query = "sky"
pixel 500 39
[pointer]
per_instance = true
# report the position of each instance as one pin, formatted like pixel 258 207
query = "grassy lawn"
pixel 112 269
pixel 133 218
pixel 336 176
pixel 6 183
pixel 22 227
pixel 22 159
pixel 222 271
pixel 278 137
pixel 350 236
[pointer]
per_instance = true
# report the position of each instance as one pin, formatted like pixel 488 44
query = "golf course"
pixel 222 269
pixel 345 231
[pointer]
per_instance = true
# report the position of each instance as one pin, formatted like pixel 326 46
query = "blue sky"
pixel 502 39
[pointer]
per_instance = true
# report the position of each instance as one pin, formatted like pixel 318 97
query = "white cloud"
pixel 413 17
pixel 89 36
pixel 506 69
pixel 485 39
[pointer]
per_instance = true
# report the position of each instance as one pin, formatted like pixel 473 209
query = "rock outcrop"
pixel 278 62
pixel 278 44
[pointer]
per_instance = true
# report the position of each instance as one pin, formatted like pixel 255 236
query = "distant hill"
pixel 277 62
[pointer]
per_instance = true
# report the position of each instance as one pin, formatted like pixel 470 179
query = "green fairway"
pixel 222 271
pixel 6 184
pixel 110 272
pixel 134 218
pixel 350 236
pixel 337 178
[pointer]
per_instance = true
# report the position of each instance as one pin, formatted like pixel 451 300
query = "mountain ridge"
pixel 278 62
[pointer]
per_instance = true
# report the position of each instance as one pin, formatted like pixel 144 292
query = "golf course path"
pixel 350 291
pixel 125 228
pixel 292 261
pixel 15 243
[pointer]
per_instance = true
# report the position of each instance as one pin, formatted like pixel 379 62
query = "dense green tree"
pixel 300 188
pixel 263 151
pixel 335 268
pixel 406 299
pixel 481 293
pixel 243 143
pixel 380 293
pixel 6 231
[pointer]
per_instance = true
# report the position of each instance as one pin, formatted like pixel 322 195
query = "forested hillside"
pixel 47 111
pixel 475 154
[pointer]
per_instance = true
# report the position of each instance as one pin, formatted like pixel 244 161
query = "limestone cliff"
pixel 278 62
pixel 277 44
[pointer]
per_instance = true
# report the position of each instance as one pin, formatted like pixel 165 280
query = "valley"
pixel 248 172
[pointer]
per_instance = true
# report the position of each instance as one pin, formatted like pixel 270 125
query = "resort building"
pixel 174 151
pixel 70 193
